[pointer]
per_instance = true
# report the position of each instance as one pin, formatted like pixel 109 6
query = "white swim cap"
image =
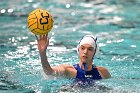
pixel 88 39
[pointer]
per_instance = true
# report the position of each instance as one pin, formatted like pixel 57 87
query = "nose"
pixel 85 51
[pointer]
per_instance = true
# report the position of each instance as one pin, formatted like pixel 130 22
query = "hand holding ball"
pixel 40 22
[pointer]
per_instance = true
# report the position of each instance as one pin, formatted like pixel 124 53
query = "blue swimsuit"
pixel 87 75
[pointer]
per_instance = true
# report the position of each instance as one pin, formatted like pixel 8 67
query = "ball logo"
pixel 44 19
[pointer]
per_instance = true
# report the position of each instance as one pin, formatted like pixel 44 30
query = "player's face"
pixel 86 53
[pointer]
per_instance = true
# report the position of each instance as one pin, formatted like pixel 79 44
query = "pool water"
pixel 116 23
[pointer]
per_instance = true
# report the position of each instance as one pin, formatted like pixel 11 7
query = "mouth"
pixel 85 57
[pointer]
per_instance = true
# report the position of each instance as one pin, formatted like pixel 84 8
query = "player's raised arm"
pixel 42 43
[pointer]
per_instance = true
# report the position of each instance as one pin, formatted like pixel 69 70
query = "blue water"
pixel 115 22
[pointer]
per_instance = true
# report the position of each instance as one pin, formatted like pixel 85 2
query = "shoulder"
pixel 103 72
pixel 64 69
pixel 69 68
pixel 70 71
pixel 66 66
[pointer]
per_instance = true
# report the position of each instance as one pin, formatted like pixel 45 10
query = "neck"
pixel 89 65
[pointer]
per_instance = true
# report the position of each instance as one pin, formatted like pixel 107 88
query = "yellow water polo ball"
pixel 40 21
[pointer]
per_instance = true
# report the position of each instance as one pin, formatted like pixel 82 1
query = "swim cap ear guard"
pixel 88 39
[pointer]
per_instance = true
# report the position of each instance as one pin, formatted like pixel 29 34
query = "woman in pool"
pixel 84 70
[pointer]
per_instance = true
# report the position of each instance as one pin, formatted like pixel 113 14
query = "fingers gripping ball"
pixel 40 22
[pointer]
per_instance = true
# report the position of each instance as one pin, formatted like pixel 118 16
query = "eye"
pixel 90 49
pixel 82 48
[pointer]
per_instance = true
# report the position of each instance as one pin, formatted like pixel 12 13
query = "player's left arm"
pixel 104 72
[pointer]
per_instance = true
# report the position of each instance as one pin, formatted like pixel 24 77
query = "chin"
pixel 84 61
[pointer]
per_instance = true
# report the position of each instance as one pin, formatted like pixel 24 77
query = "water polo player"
pixel 85 69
